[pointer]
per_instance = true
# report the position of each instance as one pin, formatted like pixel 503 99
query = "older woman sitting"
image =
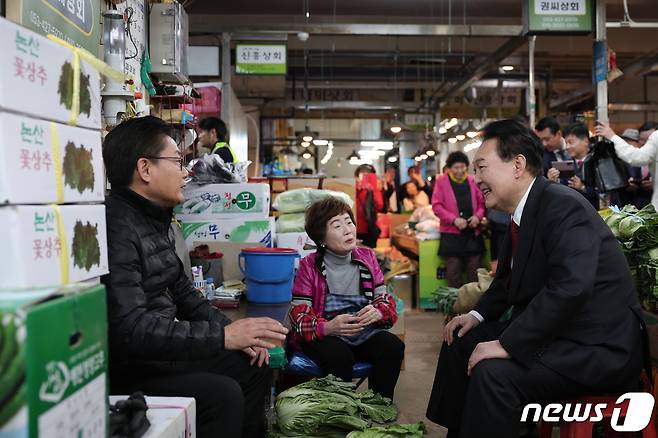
pixel 340 309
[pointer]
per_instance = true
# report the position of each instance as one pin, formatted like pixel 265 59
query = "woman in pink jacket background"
pixel 459 205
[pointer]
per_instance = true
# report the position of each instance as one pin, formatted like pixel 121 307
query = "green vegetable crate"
pixel 53 363
pixel 47 245
pixel 45 162
pixel 37 78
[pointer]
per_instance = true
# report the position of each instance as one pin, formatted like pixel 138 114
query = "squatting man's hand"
pixel 464 322
pixel 257 354
pixel 486 350
pixel 253 332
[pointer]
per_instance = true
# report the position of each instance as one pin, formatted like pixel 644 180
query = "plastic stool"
pixel 302 365
pixel 584 429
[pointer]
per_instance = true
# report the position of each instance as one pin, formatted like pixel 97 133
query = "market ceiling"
pixel 406 51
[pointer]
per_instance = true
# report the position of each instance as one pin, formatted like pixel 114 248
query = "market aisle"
pixel 423 339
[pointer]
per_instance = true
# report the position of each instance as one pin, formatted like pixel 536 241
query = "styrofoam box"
pixel 31 245
pixel 300 242
pixel 29 157
pixel 37 78
pixel 170 417
pixel 224 201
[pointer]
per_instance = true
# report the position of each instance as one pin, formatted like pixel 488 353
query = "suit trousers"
pixel 489 402
pixel 229 393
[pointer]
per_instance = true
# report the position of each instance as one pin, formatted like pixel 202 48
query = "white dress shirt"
pixel 647 154
pixel 516 217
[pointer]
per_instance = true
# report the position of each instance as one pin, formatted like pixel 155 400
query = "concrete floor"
pixel 423 338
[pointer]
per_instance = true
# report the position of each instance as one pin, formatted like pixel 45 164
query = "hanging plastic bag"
pixel 211 169
pixel 603 169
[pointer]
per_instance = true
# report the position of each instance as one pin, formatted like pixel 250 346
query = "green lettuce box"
pixel 229 230
pixel 53 363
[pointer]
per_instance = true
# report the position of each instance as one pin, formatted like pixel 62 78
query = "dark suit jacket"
pixel 575 309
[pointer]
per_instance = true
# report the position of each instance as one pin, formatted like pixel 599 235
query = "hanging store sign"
pixel 557 16
pixel 600 67
pixel 261 59
pixel 75 21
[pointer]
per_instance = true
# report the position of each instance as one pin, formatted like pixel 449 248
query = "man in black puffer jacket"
pixel 165 338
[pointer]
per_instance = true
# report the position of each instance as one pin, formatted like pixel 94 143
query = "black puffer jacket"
pixel 147 289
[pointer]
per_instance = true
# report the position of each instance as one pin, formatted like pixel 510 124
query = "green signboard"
pixel 74 21
pixel 558 16
pixel 260 59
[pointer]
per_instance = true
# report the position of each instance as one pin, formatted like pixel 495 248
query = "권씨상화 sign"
pixel 558 16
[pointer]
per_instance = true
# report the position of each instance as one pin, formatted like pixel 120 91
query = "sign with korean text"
pixel 260 59
pixel 74 21
pixel 558 16
pixel 600 68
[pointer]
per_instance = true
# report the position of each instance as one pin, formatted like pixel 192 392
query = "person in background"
pixel 498 222
pixel 577 138
pixel 549 132
pixel 213 135
pixel 415 175
pixel 459 205
pixel 638 192
pixel 390 190
pixel 414 198
pixel 369 201
pixel 646 130
pixel 647 154
pixel 340 309
pixel 165 338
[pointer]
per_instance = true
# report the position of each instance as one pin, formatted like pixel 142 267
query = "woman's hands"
pixel 351 325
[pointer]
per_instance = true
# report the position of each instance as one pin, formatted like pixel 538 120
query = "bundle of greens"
pixel 65 89
pixel 77 167
pixel 86 249
pixel 12 366
pixel 637 230
pixel 329 407
pixel 415 430
pixel 445 298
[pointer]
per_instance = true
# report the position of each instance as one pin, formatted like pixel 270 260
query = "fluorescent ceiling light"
pixel 319 142
pixel 442 130
pixel 507 67
pixel 418 159
pixel 423 156
pixel 431 152
pixel 305 144
pixel 460 137
pixel 384 145
pixel 392 159
pixel 452 140
pixel 471 146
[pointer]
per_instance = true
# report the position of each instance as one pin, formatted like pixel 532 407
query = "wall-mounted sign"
pixel 557 16
pixel 600 68
pixel 74 21
pixel 260 59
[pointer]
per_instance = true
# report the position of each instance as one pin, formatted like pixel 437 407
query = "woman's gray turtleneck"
pixel 342 274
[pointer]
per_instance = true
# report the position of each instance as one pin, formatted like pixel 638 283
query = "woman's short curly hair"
pixel 319 213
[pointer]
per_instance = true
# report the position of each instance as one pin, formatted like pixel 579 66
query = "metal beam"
pixel 347 105
pixel 633 107
pixel 637 67
pixel 475 73
pixel 210 23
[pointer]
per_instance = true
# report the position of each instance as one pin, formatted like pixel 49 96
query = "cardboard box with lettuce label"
pixel 53 362
pixel 38 79
pixel 46 162
pixel 50 245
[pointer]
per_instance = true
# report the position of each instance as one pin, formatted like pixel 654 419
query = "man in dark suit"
pixel 575 327
pixel 549 132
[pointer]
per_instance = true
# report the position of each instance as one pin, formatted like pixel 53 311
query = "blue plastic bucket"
pixel 269 273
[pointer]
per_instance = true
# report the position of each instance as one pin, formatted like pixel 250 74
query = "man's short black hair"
pixel 550 123
pixel 130 141
pixel 217 124
pixel 457 157
pixel 648 126
pixel 514 139
pixel 577 129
